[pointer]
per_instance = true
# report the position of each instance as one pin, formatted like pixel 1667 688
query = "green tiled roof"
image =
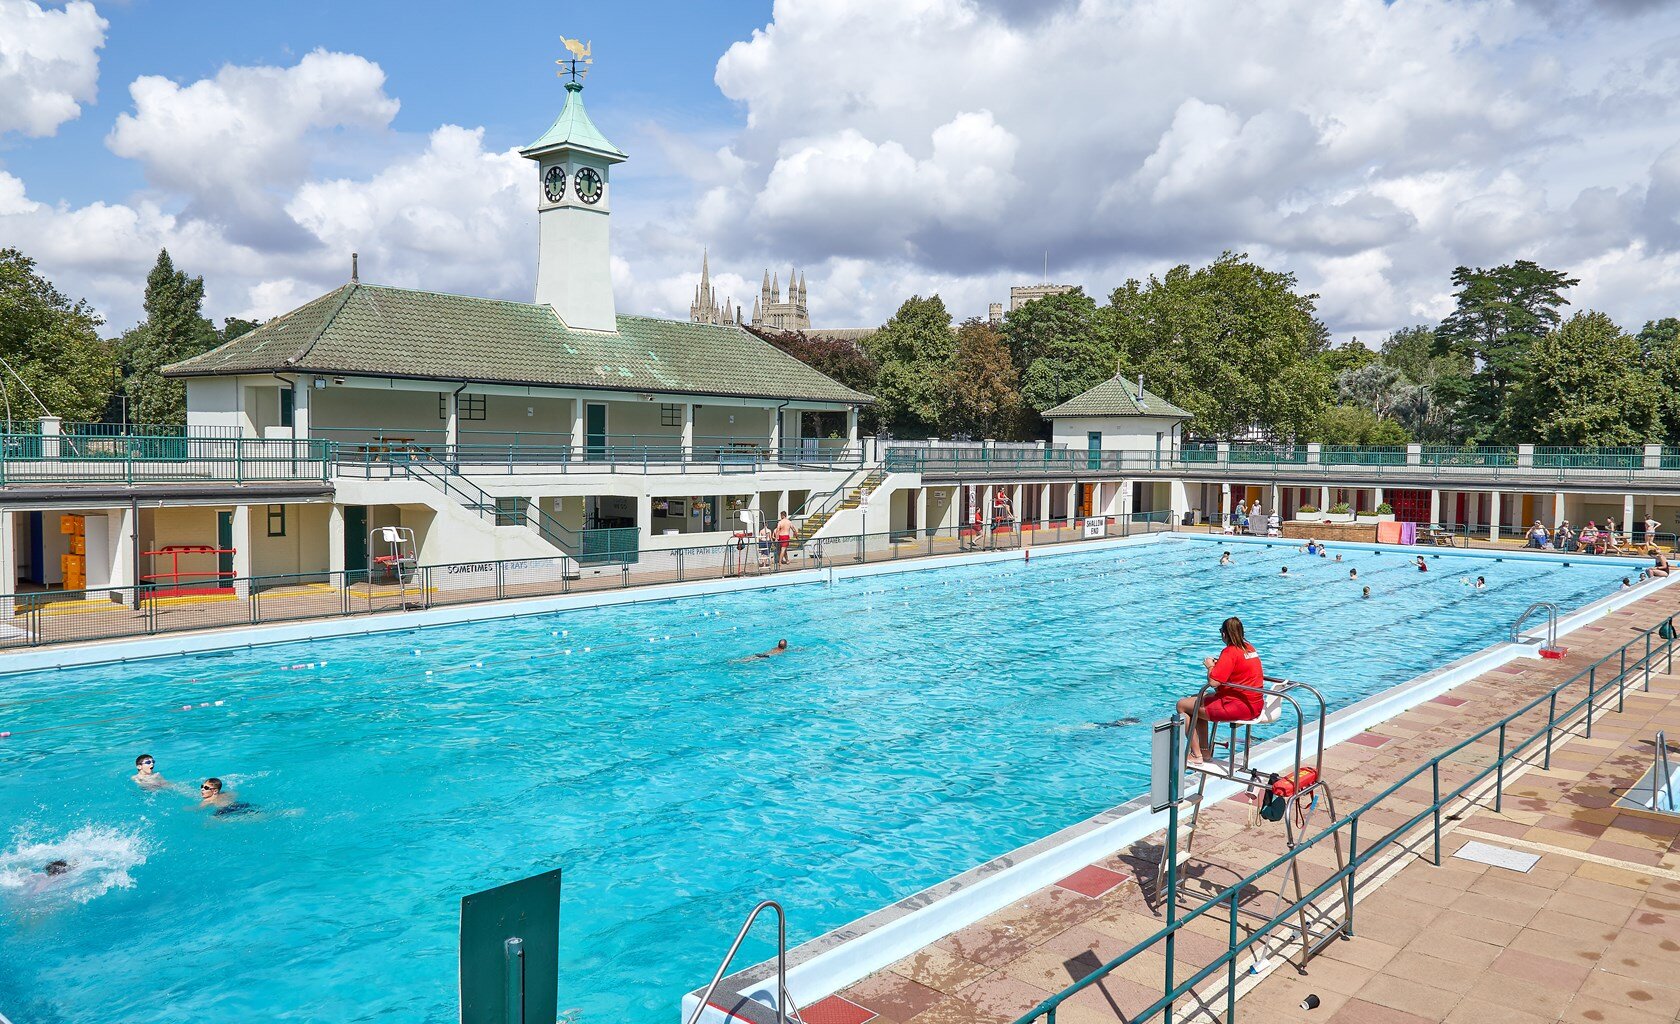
pixel 370 330
pixel 573 128
pixel 1116 397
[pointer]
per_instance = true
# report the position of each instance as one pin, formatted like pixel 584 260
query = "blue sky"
pixel 885 147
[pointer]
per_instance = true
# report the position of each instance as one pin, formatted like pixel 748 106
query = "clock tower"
pixel 574 199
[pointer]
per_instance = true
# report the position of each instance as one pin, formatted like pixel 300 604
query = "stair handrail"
pixel 1662 774
pixel 569 541
pixel 1551 611
pixel 782 1000
pixel 832 499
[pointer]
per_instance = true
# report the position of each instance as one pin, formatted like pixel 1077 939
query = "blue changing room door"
pixel 1093 449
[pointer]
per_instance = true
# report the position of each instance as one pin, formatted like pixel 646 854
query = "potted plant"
pixel 1385 513
pixel 1340 512
pixel 1308 514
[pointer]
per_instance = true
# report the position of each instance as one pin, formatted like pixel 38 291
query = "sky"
pixel 886 148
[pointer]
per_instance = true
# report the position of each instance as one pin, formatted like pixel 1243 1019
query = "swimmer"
pixel 51 875
pixel 1366 592
pixel 1224 558
pixel 1338 557
pixel 1422 566
pixel 1117 723
pixel 222 801
pixel 1353 574
pixel 780 648
pixel 1481 582
pixel 1284 571
pixel 146 775
pixel 1312 547
pixel 1625 584
pixel 1325 553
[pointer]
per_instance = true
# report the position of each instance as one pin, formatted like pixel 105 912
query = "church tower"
pixel 574 200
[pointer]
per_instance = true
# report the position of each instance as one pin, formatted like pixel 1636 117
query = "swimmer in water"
pixel 52 874
pixel 221 801
pixel 1365 593
pixel 780 648
pixel 1481 582
pixel 1353 574
pixel 1422 566
pixel 146 775
pixel 1284 571
pixel 1224 558
pixel 1625 584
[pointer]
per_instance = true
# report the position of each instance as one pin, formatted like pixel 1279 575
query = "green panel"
pixel 595 431
pixel 355 538
pixel 224 540
pixel 528 910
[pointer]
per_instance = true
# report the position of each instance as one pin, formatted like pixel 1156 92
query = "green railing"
pixel 1359 455
pixel 1484 457
pixel 1652 644
pixel 129 460
pixel 1574 457
pixel 1272 454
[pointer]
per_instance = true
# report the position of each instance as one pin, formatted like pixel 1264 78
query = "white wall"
pixel 214 402
pixel 1119 433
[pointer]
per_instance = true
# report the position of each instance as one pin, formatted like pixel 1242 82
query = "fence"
pixel 1481 764
pixel 54 617
pixel 131 459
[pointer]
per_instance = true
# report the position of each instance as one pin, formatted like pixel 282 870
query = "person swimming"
pixel 146 775
pixel 1422 566
pixel 1284 571
pixel 1353 574
pixel 1366 592
pixel 780 648
pixel 1224 558
pixel 1481 582
pixel 1312 547
pixel 222 801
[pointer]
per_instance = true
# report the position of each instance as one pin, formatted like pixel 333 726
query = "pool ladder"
pixel 1551 611
pixel 785 1010
pixel 1662 775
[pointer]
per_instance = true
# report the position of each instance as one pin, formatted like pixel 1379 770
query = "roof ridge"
pixel 343 300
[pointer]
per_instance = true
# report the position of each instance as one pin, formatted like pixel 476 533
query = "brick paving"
pixel 1591 934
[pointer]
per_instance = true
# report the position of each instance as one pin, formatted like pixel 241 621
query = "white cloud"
pixel 49 64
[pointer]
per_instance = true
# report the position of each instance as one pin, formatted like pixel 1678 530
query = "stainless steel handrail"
pixel 1551 611
pixel 782 1000
pixel 1662 775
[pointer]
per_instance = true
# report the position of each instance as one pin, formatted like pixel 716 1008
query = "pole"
pixel 1173 778
pixel 513 968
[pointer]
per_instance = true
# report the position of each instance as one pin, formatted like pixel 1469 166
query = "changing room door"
pixel 224 540
pixel 355 538
pixel 594 431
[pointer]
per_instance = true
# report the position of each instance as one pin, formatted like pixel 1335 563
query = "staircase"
pixel 849 496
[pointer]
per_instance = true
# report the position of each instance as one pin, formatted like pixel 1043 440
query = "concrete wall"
pixel 1119 433
pixel 303 549
pixel 213 402
pixel 358 414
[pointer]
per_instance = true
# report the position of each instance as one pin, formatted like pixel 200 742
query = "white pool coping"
pixel 842 957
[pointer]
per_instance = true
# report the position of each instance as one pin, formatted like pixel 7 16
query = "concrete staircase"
pixel 851 497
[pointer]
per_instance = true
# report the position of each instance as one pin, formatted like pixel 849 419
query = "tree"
pixel 839 359
pixel 1062 346
pixel 981 389
pixel 913 350
pixel 1233 343
pixel 174 329
pixel 236 327
pixel 1500 315
pixel 52 346
pixel 1587 385
pixel 1353 424
pixel 1659 348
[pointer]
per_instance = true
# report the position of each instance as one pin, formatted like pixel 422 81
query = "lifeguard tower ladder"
pixel 399 559
pixel 1308 789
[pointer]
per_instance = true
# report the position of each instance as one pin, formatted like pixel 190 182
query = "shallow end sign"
pixel 510 952
pixel 1095 526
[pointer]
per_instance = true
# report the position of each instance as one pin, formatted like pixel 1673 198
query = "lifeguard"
pixel 1237 697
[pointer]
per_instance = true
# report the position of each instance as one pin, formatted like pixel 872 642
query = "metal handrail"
pixel 1666 773
pixel 782 1000
pixel 1551 611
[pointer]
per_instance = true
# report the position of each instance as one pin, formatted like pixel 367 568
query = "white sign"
pixel 468 575
pixel 1095 526
pixel 1163 764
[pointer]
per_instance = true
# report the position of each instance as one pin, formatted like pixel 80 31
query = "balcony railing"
pixel 127 460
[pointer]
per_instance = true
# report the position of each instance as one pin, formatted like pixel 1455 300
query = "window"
pixel 670 415
pixel 288 405
pixel 510 511
pixel 276 520
pixel 472 407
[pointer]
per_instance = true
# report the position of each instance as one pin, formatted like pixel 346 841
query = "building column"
pixel 1557 510
pixel 1435 506
pixel 1043 504
pixel 577 429
pixel 123 528
pixel 8 558
pixel 783 504
pixel 1376 497
pixel 1493 516
pixel 335 538
pixel 852 427
pixel 1072 502
pixel 775 434
pixel 1178 498
pixel 451 428
pixel 1277 501
pixel 688 431
pixel 1627 517
pixel 644 516
pixel 1015 503
pixel 1324 499
pixel 1224 504
pixel 922 511
pixel 242 550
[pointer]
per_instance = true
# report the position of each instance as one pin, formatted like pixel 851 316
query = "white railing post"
pixel 1414 455
pixel 52 428
pixel 1525 456
pixel 1313 450
pixel 1653 456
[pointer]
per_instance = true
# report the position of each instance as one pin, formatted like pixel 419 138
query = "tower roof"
pixel 573 130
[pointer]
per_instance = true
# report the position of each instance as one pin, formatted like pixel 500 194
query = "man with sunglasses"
pixel 222 801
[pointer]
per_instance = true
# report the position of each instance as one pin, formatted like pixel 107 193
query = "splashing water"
pixel 100 860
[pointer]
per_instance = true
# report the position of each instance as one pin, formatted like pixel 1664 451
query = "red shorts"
pixel 1227 709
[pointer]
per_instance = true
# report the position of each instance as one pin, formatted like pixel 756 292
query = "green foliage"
pixel 174 329
pixel 981 388
pixel 1233 343
pixel 52 346
pixel 844 361
pixel 913 351
pixel 1659 347
pixel 1340 508
pixel 236 327
pixel 1063 346
pixel 1307 508
pixel 1501 314
pixel 1385 509
pixel 1340 359
pixel 1354 424
pixel 1587 385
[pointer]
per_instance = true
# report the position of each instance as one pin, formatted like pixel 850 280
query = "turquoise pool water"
pixel 921 723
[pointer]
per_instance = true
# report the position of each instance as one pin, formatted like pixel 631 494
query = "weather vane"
pixel 577 65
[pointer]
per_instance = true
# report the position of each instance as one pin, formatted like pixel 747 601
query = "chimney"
pixel 1140 401
pixel 355 276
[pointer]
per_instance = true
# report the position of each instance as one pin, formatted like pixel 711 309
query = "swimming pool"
pixel 923 722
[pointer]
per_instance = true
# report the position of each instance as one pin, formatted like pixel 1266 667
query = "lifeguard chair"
pixel 1294 795
pixel 398 560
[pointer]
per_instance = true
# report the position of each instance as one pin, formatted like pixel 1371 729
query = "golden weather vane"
pixel 577 65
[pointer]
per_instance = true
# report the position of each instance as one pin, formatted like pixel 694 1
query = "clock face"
pixel 554 184
pixel 588 185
